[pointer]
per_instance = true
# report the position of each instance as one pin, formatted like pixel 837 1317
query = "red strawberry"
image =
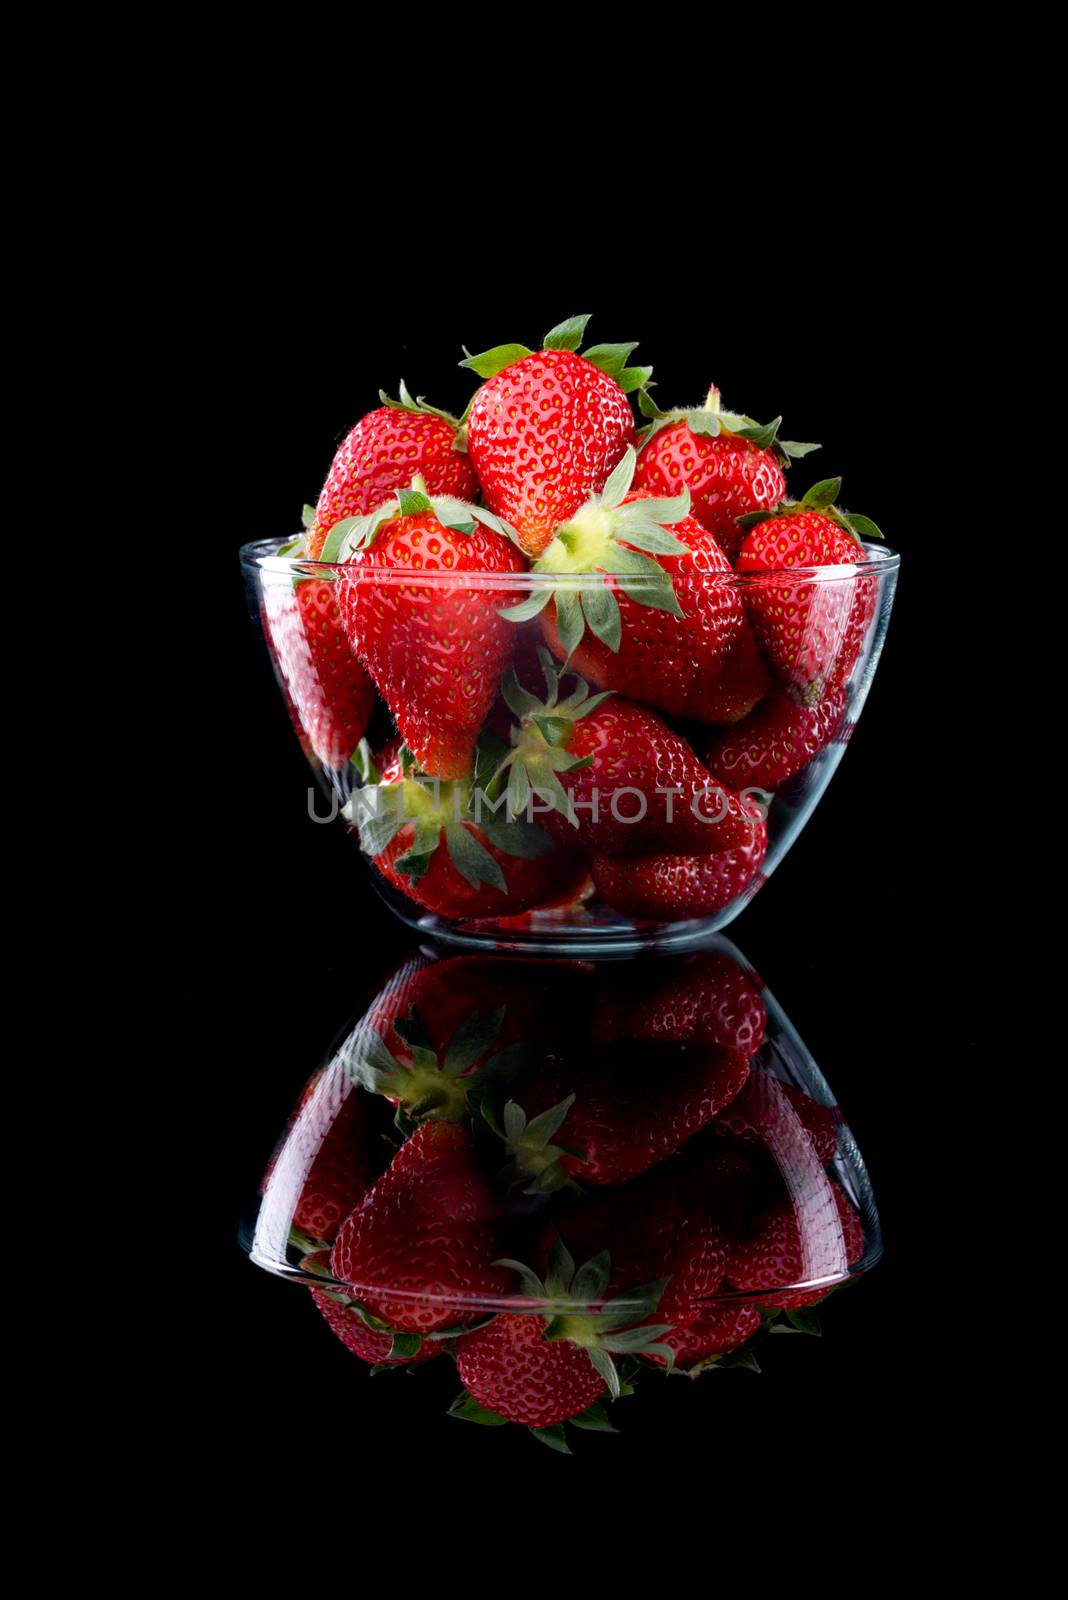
pixel 331 696
pixel 751 1120
pixel 622 1114
pixel 368 1343
pixel 614 776
pixel 324 1150
pixel 717 1331
pixel 383 453
pixel 729 464
pixel 705 998
pixel 422 1242
pixel 660 610
pixel 671 888
pixel 657 1227
pixel 540 1370
pixel 546 428
pixel 814 1236
pixel 431 638
pixel 777 741
pixel 741 683
pixel 811 629
pixel 424 840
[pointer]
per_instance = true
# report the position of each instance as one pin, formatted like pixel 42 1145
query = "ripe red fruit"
pixel 814 1234
pixel 330 693
pixel 657 1227
pixel 341 1170
pixel 582 755
pixel 741 682
pixel 671 888
pixel 752 1120
pixel 665 612
pixel 368 1343
pixel 810 629
pixel 547 427
pixel 716 1332
pixel 705 998
pixel 511 1368
pixel 424 1239
pixel 383 453
pixel 625 1112
pixel 436 648
pixel 777 741
pixel 729 464
pixel 424 840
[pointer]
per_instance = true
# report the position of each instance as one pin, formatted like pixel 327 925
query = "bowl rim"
pixel 261 555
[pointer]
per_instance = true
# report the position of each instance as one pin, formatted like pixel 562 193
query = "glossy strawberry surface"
pixel 331 694
pixel 726 477
pixel 669 887
pixel 368 1343
pixel 544 434
pixel 777 742
pixel 512 1369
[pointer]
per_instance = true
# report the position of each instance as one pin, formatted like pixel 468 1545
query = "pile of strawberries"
pixel 582 621
pixel 560 1178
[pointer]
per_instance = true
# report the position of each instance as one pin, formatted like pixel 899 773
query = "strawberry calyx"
pixel 709 420
pixel 540 737
pixel 611 359
pixel 607 537
pixel 821 497
pixel 421 407
pixel 427 1085
pixel 438 811
pixel 459 516
pixel 611 1328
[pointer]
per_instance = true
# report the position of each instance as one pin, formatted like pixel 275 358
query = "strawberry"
pixel 811 629
pixel 716 1332
pixel 431 636
pixel 656 1227
pixel 624 1113
pixel 729 463
pixel 671 888
pixel 659 611
pixel 329 693
pixel 613 774
pixel 382 454
pixel 813 1235
pixel 741 683
pixel 547 427
pixel 747 1119
pixel 370 1344
pixel 422 1081
pixel 421 1244
pixel 424 839
pixel 340 1172
pixel 777 741
pixel 540 1370
pixel 707 998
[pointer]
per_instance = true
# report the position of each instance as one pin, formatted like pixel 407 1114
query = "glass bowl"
pixel 606 802
pixel 637 1165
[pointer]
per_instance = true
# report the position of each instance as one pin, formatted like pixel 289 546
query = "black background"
pixel 853 935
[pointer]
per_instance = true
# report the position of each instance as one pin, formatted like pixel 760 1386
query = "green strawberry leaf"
pixel 472 1039
pixel 607 1369
pixel 570 623
pixel 517 837
pixel 526 609
pixel 619 480
pixel 863 527
pixel 805 1321
pixel 307 516
pixel 706 423
pixel 601 610
pixel 649 408
pixel 490 362
pixel 471 859
pixel 331 550
pixel 591 1280
pixel 594 1418
pixel 632 378
pixel 467 1408
pixel 567 335
pixel 610 358
pixel 295 547
pixel 554 1437
pixel 764 437
pixel 794 450
pixel 404 1346
pixel 822 494
pixel 413 503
